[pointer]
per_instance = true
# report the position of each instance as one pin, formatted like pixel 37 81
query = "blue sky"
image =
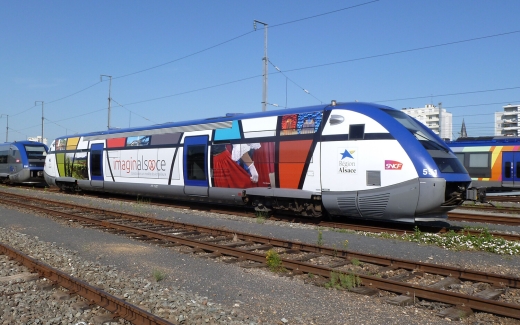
pixel 182 60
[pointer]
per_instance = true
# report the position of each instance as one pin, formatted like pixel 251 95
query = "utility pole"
pixel 40 101
pixel 109 89
pixel 264 92
pixel 440 120
pixel 6 128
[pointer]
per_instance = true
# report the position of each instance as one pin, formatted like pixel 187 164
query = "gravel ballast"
pixel 222 293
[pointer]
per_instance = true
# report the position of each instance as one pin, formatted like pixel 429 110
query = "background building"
pixel 429 116
pixel 506 122
pixel 38 139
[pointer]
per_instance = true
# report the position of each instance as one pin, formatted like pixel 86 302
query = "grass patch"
pixel 158 275
pixel 343 281
pixel 274 261
pixel 355 262
pixel 454 241
pixel 143 200
pixel 319 242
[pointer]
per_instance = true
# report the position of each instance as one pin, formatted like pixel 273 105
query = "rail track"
pixel 504 198
pixel 462 215
pixel 350 224
pixel 405 280
pixel 92 296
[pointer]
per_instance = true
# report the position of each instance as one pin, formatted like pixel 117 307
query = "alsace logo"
pixel 347 161
pixel 139 164
pixel 393 165
pixel 347 154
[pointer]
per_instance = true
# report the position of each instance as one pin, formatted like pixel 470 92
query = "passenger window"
pixel 196 162
pixel 518 170
pixel 507 169
pixel 95 159
pixel 356 132
pixel 460 157
pixel 479 159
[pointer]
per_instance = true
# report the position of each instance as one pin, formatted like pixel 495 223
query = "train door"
pixel 96 165
pixel 196 165
pixel 511 169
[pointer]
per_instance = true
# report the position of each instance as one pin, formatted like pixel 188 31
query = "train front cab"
pixel 442 179
pixel 22 162
pixel 396 169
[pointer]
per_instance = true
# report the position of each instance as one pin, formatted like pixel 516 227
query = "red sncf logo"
pixel 393 165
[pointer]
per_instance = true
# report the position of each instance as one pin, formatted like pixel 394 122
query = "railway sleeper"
pixel 456 313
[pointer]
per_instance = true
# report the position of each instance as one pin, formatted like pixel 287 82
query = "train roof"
pixel 215 122
pixel 483 141
pixel 23 142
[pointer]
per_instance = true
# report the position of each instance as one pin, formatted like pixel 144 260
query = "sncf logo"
pixel 393 165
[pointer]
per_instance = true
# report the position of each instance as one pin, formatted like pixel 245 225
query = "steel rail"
pixel 464 274
pixel 463 216
pixel 118 307
pixel 491 306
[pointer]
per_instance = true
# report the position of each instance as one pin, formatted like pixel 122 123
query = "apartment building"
pixel 430 116
pixel 506 122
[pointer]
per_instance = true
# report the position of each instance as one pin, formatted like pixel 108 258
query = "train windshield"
pixel 35 152
pixel 419 130
pixel 449 165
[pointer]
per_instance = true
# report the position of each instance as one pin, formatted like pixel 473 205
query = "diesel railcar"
pixel 492 162
pixel 357 160
pixel 22 162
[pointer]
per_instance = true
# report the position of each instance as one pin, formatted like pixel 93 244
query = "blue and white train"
pixel 22 162
pixel 355 160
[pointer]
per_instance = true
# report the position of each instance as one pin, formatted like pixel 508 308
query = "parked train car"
pixel 22 162
pixel 492 162
pixel 351 160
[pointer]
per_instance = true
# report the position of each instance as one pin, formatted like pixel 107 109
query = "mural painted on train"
pixel 236 159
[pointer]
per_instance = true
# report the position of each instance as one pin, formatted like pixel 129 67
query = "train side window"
pixel 460 157
pixel 196 163
pixel 478 164
pixel 507 169
pixel 96 162
pixel 518 169
pixel 479 160
pixel 356 132
pixel 3 156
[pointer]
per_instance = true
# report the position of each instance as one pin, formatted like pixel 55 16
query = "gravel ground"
pixel 244 296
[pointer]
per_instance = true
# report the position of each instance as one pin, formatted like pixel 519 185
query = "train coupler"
pixel 476 194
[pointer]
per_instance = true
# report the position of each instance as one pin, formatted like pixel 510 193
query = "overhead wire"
pixel 242 35
pixel 351 60
pixel 296 69
pixel 449 94
pixel 304 90
pixel 323 14
pixel 207 49
pixel 403 51
pixel 147 119
pixel 66 128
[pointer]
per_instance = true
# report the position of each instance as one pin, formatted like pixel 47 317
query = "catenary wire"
pixel 203 50
pixel 240 36
pixel 304 90
pixel 147 119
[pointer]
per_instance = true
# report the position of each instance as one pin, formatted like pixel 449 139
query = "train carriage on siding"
pixel 492 162
pixel 355 160
pixel 21 162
